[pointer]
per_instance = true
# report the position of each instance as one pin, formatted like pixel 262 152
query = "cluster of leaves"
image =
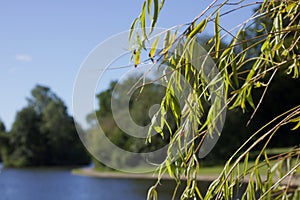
pixel 264 46
pixel 43 134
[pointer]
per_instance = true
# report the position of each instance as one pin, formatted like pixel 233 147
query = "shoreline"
pixel 90 172
pixel 108 175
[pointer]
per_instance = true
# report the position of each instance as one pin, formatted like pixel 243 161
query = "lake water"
pixel 60 184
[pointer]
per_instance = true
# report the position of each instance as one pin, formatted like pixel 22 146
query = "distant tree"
pixel 62 142
pixel 44 134
pixel 3 139
pixel 139 105
pixel 25 141
pixel 2 127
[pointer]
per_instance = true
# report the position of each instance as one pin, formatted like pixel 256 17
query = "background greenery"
pixel 43 134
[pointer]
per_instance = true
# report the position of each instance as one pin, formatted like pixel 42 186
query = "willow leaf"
pixel 137 58
pixel 217 34
pixel 166 43
pixel 234 70
pixel 132 28
pixel 143 20
pixel 153 48
pixel 198 29
pixel 296 127
pixel 155 15
pixel 149 4
pixel 152 193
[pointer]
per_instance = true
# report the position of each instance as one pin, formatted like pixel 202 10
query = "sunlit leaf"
pixel 217 33
pixel 198 29
pixel 155 15
pixel 143 20
pixel 153 48
pixel 132 28
pixel 149 4
pixel 137 58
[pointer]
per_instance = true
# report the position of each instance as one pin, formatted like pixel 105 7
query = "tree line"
pixel 43 134
pixel 234 133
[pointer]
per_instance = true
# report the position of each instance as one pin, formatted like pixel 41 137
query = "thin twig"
pixel 262 96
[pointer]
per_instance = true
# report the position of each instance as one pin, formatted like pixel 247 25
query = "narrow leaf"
pixel 155 15
pixel 166 43
pixel 199 28
pixel 234 70
pixel 137 58
pixel 143 20
pixel 296 127
pixel 153 48
pixel 132 28
pixel 217 33
pixel 278 46
pixel 149 4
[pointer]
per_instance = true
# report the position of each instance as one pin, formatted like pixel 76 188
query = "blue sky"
pixel 45 42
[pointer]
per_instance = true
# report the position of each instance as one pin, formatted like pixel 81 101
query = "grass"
pixel 204 170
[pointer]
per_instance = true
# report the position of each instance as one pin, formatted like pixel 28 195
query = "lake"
pixel 60 184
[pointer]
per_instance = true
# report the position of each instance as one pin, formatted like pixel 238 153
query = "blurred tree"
pixel 44 134
pixel 3 139
pixel 139 105
pixel 26 145
pixel 2 127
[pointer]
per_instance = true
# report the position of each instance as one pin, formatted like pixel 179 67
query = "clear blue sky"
pixel 45 42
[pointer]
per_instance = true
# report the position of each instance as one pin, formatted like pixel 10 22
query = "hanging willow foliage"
pixel 247 62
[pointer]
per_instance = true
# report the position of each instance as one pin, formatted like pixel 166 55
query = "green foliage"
pixel 140 102
pixel 2 127
pixel 264 50
pixel 24 139
pixel 3 139
pixel 43 134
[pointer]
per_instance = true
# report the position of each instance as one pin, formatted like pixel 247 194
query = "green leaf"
pixel 265 46
pixel 226 52
pixel 137 58
pixel 143 20
pixel 161 4
pixel 217 33
pixel 155 15
pixel 169 168
pixel 199 28
pixel 266 158
pixel 166 43
pixel 278 46
pixel 149 4
pixel 296 127
pixel 152 193
pixel 132 28
pixel 291 6
pixel 246 164
pixel 210 40
pixel 249 98
pixel 175 107
pixel 153 48
pixel 257 84
pixel 234 70
pixel 159 130
pixel 285 52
